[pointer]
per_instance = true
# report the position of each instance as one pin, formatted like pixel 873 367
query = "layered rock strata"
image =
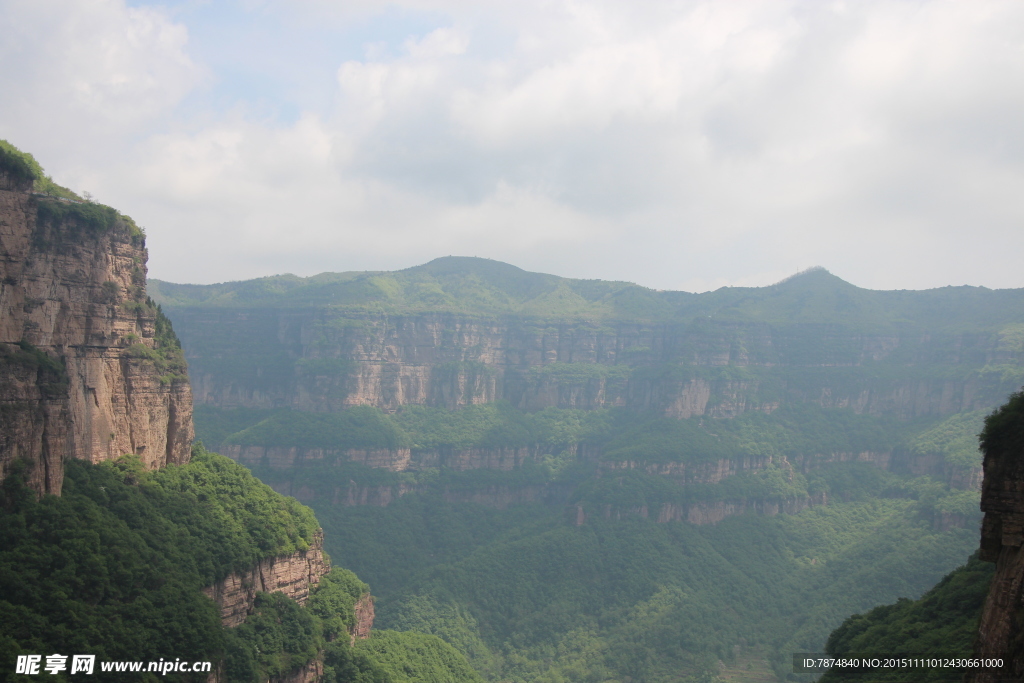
pixel 322 359
pixel 77 342
pixel 703 513
pixel 294 575
pixel 396 460
pixel 364 618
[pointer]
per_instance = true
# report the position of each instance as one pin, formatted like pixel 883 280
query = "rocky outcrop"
pixel 1001 629
pixel 394 460
pixel 364 618
pixel 294 575
pixel 701 513
pixel 77 343
pixel 698 473
pixel 494 495
pixel 282 457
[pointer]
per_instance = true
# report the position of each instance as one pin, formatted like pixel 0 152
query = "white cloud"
pixel 80 78
pixel 672 143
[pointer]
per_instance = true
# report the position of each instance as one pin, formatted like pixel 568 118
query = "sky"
pixel 683 145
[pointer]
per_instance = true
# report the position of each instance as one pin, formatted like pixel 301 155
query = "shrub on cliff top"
pixel 24 166
pixel 1004 430
pixel 21 165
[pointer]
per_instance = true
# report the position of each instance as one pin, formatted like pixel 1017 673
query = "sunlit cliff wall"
pixel 322 360
pixel 76 333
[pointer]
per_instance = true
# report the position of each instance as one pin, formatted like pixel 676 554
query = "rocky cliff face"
pixel 364 618
pixel 1001 630
pixel 80 373
pixel 294 575
pixel 395 460
pixel 705 513
pixel 319 359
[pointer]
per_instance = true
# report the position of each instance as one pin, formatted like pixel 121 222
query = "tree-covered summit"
pixel 477 286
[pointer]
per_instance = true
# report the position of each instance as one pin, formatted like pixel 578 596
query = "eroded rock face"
pixel 294 575
pixel 325 360
pixel 72 293
pixel 364 618
pixel 395 460
pixel 1001 632
pixel 703 513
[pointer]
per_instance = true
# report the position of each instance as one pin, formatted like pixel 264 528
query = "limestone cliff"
pixel 294 575
pixel 1001 630
pixel 323 359
pixel 364 618
pixel 84 370
pixel 395 460
pixel 705 513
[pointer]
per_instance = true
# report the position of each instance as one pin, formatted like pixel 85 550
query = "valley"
pixel 539 479
pixel 590 481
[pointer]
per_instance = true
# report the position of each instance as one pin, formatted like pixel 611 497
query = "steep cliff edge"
pixel 89 368
pixel 293 575
pixel 1002 539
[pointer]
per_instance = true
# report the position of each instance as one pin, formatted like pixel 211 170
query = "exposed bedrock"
pixel 324 360
pixel 76 380
pixel 294 575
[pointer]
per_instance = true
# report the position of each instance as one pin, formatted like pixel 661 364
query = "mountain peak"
pixel 816 276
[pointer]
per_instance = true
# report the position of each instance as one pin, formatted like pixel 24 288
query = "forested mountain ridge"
pixel 333 341
pixel 484 287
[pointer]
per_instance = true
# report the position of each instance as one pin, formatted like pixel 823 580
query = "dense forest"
pixel 591 481
pixel 115 566
pixel 498 563
pixel 943 621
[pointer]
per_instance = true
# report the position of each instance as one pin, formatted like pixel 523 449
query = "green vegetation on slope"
pixel 623 435
pixel 530 598
pixel 955 438
pixel 527 597
pixel 451 284
pixel 493 425
pixel 114 567
pixel 943 622
pixel 166 354
pixel 484 287
pixel 357 427
pixel 61 205
pixel 24 167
